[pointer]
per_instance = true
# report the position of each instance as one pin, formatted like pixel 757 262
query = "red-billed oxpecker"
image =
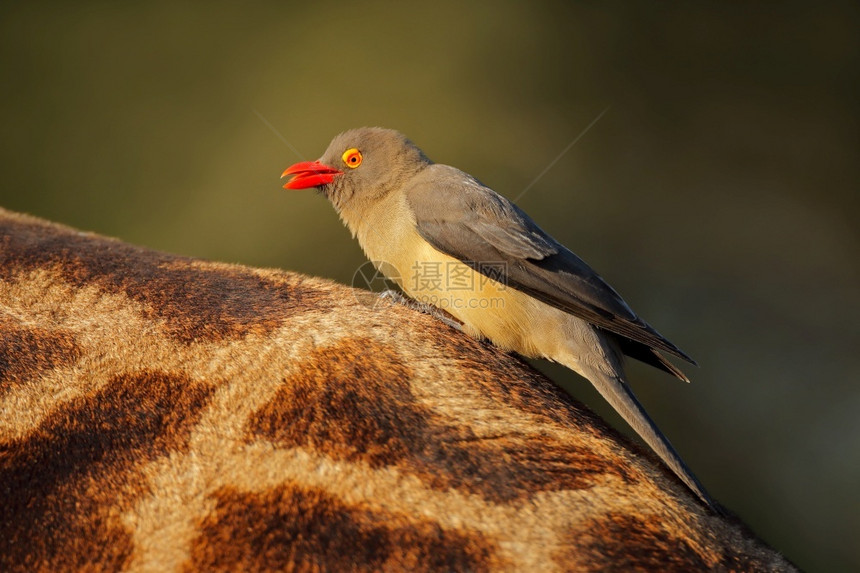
pixel 452 242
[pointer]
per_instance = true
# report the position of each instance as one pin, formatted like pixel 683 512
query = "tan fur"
pixel 159 413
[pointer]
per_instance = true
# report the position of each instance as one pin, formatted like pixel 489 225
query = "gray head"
pixel 360 164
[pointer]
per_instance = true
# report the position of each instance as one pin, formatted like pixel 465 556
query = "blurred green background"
pixel 719 193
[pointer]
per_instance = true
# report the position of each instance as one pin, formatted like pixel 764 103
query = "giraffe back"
pixel 163 413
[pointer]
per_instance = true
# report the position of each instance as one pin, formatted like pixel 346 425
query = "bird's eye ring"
pixel 352 158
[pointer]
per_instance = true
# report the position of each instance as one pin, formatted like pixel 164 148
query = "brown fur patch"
pixel 28 352
pixel 196 302
pixel 63 488
pixel 353 401
pixel 631 543
pixel 293 528
pixel 509 379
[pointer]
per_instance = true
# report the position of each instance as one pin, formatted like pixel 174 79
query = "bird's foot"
pixel 422 307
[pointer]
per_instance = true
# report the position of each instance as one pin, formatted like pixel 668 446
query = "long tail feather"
pixel 619 395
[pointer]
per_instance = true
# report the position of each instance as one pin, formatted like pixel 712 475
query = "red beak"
pixel 309 174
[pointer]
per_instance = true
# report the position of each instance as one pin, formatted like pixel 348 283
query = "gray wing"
pixel 469 221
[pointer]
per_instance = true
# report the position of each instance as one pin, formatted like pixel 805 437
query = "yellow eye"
pixel 352 158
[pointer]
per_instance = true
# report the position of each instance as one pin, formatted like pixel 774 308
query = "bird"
pixel 449 241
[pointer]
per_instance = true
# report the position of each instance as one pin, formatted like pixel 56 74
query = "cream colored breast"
pixel 488 308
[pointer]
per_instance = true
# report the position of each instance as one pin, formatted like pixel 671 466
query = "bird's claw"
pixel 422 307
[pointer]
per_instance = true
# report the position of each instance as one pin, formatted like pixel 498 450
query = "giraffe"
pixel 164 413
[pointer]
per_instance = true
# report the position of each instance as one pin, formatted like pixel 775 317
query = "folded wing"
pixel 469 221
